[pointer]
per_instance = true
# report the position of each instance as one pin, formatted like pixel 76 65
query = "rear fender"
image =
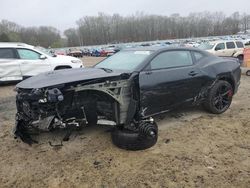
pixel 237 54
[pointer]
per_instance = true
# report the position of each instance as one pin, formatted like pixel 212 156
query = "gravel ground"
pixel 195 149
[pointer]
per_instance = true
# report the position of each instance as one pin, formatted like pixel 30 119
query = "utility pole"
pixel 79 37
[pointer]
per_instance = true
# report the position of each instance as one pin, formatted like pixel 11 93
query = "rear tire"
pixel 219 97
pixel 241 58
pixel 134 141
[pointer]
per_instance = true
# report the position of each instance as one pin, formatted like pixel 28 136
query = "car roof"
pixel 223 41
pixel 15 45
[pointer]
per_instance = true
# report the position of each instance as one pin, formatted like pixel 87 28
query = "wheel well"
pixel 97 94
pixel 63 67
pixel 240 58
pixel 229 80
pixel 106 105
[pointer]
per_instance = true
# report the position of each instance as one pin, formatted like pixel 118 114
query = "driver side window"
pixel 220 46
pixel 28 54
pixel 172 59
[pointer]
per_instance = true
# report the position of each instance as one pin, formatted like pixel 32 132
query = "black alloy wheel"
pixel 219 97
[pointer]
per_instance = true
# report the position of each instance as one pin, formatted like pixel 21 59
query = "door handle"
pixel 148 72
pixel 192 73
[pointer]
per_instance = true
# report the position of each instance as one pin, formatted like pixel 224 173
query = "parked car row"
pixel 108 50
pixel 18 60
pixel 95 52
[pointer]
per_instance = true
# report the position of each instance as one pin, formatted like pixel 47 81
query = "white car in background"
pixel 192 44
pixel 19 60
pixel 225 48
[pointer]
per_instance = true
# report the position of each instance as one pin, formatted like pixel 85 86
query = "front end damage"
pixel 77 105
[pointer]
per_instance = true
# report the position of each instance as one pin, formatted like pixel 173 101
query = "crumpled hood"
pixel 65 76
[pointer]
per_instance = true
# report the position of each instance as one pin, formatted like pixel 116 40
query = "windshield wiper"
pixel 106 70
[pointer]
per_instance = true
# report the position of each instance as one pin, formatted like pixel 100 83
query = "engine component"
pixel 44 124
pixel 54 95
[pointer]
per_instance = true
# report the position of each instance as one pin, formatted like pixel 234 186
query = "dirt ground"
pixel 195 149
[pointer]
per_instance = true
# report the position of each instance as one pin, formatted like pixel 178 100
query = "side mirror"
pixel 43 57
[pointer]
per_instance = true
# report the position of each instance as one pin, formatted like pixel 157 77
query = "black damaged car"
pixel 128 89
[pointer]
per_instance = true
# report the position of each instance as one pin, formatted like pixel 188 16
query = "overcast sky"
pixel 63 14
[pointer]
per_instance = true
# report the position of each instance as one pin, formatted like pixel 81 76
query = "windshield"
pixel 124 60
pixel 206 46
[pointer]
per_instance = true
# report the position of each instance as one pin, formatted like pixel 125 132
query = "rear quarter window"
pixel 198 56
pixel 171 59
pixel 239 45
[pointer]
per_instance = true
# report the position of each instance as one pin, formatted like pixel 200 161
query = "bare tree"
pixel 245 22
pixel 104 29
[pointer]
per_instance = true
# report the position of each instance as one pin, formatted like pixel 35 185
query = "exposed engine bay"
pixel 77 105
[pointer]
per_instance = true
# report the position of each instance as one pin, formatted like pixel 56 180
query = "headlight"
pixel 76 61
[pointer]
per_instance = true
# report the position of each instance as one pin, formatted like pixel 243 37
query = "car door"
pixel 169 80
pixel 9 65
pixel 220 49
pixel 31 62
pixel 231 49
